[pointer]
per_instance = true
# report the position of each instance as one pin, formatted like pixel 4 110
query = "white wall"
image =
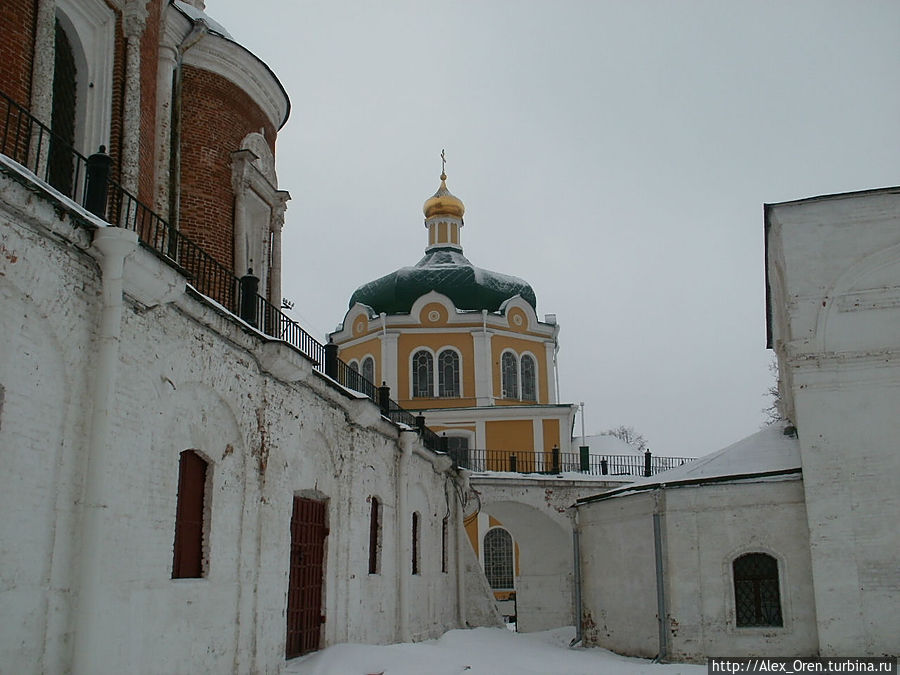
pixel 618 575
pixel 704 529
pixel 189 377
pixel 834 269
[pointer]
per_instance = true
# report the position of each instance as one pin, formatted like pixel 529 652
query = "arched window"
pixel 509 375
pixel 757 600
pixel 529 378
pixel 423 375
pixel 375 537
pixel 368 369
pixel 354 366
pixel 448 374
pixel 498 559
pixel 189 516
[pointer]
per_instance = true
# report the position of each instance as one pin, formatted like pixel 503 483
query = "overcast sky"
pixel 616 155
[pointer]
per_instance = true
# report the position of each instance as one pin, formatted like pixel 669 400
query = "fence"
pixel 554 462
pixel 87 181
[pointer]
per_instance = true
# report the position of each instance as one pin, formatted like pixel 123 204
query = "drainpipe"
pixel 198 30
pixel 407 439
pixel 461 537
pixel 91 641
pixel 576 546
pixel 658 506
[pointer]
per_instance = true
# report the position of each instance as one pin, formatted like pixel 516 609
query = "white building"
pixel 776 545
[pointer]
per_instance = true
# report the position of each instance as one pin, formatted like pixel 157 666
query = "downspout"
pixel 407 440
pixel 99 496
pixel 576 546
pixel 556 360
pixel 658 506
pixel 461 537
pixel 198 30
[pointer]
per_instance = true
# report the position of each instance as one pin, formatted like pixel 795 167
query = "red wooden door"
pixel 304 605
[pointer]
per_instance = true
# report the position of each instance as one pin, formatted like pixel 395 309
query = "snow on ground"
pixel 481 651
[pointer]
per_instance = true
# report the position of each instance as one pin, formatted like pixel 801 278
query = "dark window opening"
pixel 415 543
pixel 444 530
pixel 375 537
pixel 458 449
pixel 60 166
pixel 757 599
pixel 189 517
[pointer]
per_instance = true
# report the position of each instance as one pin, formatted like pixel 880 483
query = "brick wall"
pixel 216 116
pixel 149 64
pixel 16 48
pixel 118 97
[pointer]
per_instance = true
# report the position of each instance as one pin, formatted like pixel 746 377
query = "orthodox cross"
pixel 443 162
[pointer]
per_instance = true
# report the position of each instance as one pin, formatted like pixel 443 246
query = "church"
pixel 463 347
pixel 191 482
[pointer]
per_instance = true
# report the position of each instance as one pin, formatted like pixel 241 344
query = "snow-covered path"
pixel 481 651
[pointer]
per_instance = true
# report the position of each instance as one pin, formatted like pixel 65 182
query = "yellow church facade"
pixel 464 347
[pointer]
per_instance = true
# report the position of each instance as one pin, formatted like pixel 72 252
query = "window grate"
pixel 757 598
pixel 498 559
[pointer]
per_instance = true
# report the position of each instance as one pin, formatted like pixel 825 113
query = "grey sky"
pixel 616 155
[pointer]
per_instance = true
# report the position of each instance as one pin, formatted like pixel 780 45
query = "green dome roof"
pixel 448 272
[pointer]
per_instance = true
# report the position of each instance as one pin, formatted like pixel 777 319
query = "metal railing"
pixel 554 462
pixel 87 181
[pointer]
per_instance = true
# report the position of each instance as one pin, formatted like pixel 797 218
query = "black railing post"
pixel 647 462
pixel 384 400
pixel 420 421
pixel 513 463
pixel 97 187
pixel 555 462
pixel 604 467
pixel 445 443
pixel 331 360
pixel 585 458
pixel 248 306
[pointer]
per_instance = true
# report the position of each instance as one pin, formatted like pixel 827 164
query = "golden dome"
pixel 442 203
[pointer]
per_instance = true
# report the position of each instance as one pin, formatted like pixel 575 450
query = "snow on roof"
pixel 766 452
pixel 198 14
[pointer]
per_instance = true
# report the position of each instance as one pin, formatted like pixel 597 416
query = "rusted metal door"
pixel 304 605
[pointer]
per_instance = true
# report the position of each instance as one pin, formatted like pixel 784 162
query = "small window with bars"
pixel 423 375
pixel 448 374
pixel 509 375
pixel 368 369
pixel 757 599
pixel 529 378
pixel 498 559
